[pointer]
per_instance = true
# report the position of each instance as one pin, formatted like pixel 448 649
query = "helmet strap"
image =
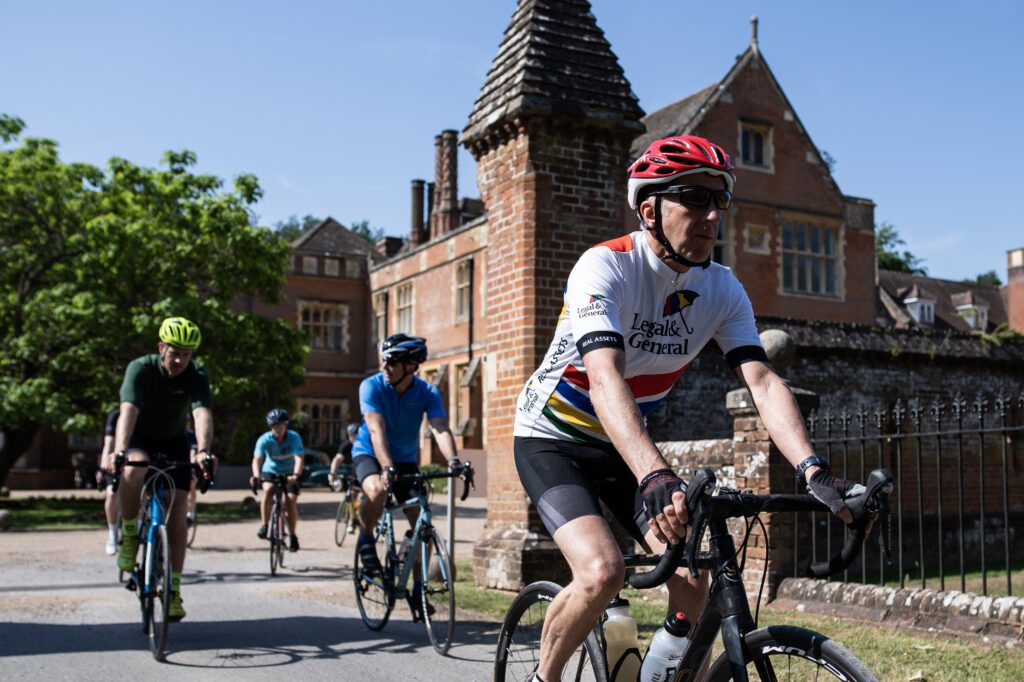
pixel 659 234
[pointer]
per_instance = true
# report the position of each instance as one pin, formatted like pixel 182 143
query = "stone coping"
pixel 927 609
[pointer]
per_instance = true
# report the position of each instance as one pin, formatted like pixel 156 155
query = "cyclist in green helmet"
pixel 157 394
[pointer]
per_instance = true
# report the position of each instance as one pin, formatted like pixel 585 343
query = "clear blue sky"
pixel 334 105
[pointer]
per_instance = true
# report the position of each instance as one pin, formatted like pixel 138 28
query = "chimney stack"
pixel 444 215
pixel 1015 289
pixel 417 234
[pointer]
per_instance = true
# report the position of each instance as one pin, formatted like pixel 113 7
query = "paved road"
pixel 62 616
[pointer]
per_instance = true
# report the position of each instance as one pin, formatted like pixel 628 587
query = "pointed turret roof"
pixel 554 59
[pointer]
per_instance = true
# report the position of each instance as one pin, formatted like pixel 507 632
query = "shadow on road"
pixel 247 643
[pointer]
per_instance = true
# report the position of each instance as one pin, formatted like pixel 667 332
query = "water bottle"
pixel 403 551
pixel 666 650
pixel 623 647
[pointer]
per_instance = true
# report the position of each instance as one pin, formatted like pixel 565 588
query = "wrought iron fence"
pixel 958 465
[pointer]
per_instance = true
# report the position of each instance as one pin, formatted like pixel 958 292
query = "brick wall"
pixel 1015 289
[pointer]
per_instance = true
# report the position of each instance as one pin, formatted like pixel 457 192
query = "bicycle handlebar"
pixel 702 507
pixel 463 470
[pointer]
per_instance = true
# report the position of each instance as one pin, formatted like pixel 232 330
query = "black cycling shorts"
pixel 565 480
pixel 365 465
pixel 289 487
pixel 175 448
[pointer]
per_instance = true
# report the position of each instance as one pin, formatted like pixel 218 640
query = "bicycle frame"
pixel 424 522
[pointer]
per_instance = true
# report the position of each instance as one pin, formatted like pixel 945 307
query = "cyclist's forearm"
pixel 444 438
pixel 616 409
pixel 203 419
pixel 779 412
pixel 125 426
pixel 298 466
pixel 257 465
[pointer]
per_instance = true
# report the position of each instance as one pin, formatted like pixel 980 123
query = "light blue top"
pixel 402 415
pixel 278 458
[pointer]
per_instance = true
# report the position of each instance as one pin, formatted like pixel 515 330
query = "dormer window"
pixel 921 309
pixel 976 316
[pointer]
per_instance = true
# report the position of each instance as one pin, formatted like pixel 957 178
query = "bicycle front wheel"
pixel 158 588
pixel 274 537
pixel 438 592
pixel 341 521
pixel 787 653
pixel 375 590
pixel 519 640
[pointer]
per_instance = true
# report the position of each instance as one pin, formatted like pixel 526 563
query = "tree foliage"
pixel 293 228
pixel 989 278
pixel 94 259
pixel 887 245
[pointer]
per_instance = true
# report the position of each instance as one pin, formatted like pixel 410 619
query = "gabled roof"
pixel 331 237
pixel 685 116
pixel 947 295
pixel 554 58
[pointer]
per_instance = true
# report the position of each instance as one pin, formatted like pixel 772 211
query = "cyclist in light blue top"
pixel 278 452
pixel 393 403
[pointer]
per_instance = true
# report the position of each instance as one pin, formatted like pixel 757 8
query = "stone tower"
pixel 550 132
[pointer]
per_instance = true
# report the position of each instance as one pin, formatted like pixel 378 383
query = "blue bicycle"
pixel 422 548
pixel 151 577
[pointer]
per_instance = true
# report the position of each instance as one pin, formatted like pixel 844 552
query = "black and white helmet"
pixel 404 348
pixel 277 416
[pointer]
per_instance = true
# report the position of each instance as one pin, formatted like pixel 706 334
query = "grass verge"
pixel 86 513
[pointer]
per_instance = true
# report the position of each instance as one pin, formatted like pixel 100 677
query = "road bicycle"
pixel 151 577
pixel 277 531
pixel 772 653
pixel 192 519
pixel 423 549
pixel 346 520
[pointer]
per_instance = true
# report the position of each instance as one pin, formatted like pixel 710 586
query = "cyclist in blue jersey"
pixel 393 403
pixel 278 452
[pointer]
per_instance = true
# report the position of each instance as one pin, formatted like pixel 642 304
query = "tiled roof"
pixel 671 120
pixel 947 294
pixel 554 58
pixel 330 236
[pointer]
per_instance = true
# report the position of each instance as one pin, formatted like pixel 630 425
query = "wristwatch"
pixel 812 461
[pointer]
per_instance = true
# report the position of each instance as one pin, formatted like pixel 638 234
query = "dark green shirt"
pixel 163 402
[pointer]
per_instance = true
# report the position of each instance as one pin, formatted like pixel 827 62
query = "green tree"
pixel 94 259
pixel 989 278
pixel 887 243
pixel 362 229
pixel 293 228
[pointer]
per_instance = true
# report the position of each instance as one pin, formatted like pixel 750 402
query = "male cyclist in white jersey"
pixel 637 311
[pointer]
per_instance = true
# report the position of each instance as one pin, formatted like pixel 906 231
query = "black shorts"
pixel 566 480
pixel 365 465
pixel 175 448
pixel 289 487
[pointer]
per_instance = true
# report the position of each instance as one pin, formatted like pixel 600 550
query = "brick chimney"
pixel 388 246
pixel 1015 288
pixel 417 235
pixel 444 214
pixel 539 120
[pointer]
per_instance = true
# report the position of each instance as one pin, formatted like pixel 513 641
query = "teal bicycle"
pixel 423 549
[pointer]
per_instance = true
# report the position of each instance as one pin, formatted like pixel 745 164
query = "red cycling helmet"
pixel 671 157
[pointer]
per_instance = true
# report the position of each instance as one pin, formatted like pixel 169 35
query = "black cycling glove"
pixel 656 490
pixel 829 490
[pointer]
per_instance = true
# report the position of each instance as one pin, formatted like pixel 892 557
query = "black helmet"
pixel 277 416
pixel 404 348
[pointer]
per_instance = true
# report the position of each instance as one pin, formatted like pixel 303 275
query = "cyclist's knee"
pixel 601 577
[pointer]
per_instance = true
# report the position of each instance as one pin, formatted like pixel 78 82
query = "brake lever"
pixel 702 484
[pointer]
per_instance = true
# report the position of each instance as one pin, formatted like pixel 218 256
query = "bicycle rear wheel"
pixel 192 519
pixel 341 520
pixel 438 593
pixel 158 588
pixel 787 653
pixel 519 640
pixel 375 590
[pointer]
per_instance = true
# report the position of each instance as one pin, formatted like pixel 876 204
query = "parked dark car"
pixel 316 464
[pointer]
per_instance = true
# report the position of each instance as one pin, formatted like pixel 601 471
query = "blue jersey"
pixel 402 415
pixel 278 458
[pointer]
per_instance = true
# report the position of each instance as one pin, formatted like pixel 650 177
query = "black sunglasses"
pixel 699 196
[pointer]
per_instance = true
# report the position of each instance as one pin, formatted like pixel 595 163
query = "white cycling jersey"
pixel 621 295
